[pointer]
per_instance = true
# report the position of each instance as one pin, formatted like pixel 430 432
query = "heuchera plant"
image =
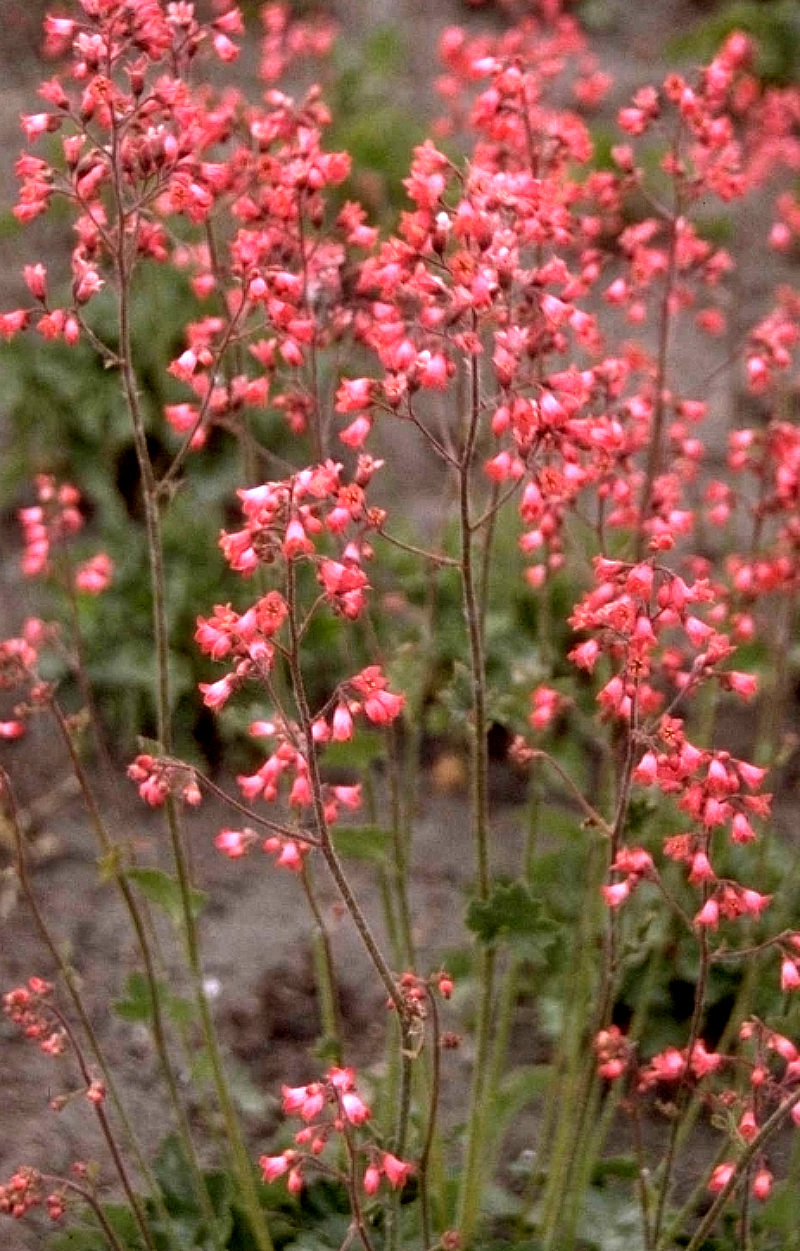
pixel 519 323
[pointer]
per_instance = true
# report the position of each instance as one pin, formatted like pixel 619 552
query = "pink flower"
pixel 355 434
pixel 720 1177
pixel 355 1109
pixel 432 370
pixel 753 903
pixel 234 843
pixel 36 124
pixel 216 694
pixel 617 893
pixel 274 1166
pixel 646 771
pixel 95 575
pixel 708 914
pixel 382 707
pixel 36 280
pixel 397 1171
pixel 290 857
pixel 702 1061
pixel 372 1179
pixel 741 829
pixel 342 728
pixel 184 366
pixel 296 542
pixel 12 323
pixel 348 796
pixel 790 975
pixel 354 394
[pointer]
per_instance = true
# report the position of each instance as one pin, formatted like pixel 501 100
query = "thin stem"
pixel 241 1159
pixel 403 1110
pixel 683 1086
pixel 473 1175
pixel 91 1202
pixel 68 977
pixel 400 849
pixel 433 1111
pixel 326 846
pixel 105 1127
pixel 352 1182
pixel 318 440
pixel 113 866
pixel 325 970
pixel 437 559
pixel 592 815
pixel 655 449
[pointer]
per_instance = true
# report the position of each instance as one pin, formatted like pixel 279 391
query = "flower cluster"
pixel 26 1190
pixel 157 779
pixel 30 1008
pixel 47 524
pixel 641 616
pixel 773 1069
pixel 287 520
pixel 328 1108
pixel 54 517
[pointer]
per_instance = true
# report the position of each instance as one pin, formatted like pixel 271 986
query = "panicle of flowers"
pixel 741 1112
pixel 19 658
pixel 158 778
pixel 30 1007
pixel 327 1108
pixel 24 1191
pixel 514 244
pixel 47 524
pixel 55 516
pixel 718 793
pixel 641 616
pixel 141 145
pixel 95 575
pixel 770 458
pixel 245 638
pixel 772 343
pixel 288 519
pixel 290 762
pixel 773 1066
pixel 285 41
pixel 617 1058
pixel 126 117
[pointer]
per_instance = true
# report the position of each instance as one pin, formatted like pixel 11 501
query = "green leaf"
pixel 358 753
pixel 521 1086
pixel 136 1004
pixel 174 1176
pixel 87 1237
pixel 165 891
pixel 362 842
pixel 512 915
